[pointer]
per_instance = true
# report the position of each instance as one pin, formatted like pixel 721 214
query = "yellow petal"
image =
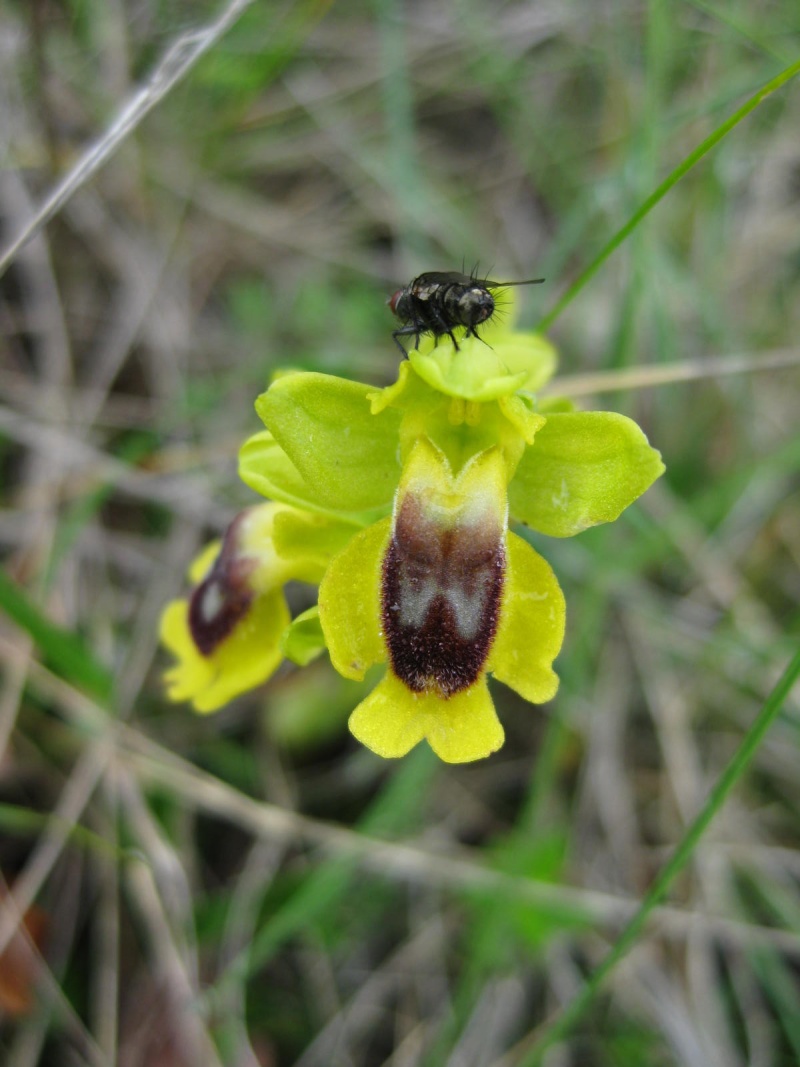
pixel 459 729
pixel 531 627
pixel 243 660
pixel 202 564
pixel 349 602
pixel 193 672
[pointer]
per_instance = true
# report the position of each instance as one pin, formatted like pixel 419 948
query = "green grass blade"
pixel 661 191
pixel 23 822
pixel 719 794
pixel 63 650
pixel 780 986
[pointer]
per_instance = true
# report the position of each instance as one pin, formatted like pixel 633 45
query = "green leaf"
pixel 303 639
pixel 63 650
pixel 346 455
pixel 582 469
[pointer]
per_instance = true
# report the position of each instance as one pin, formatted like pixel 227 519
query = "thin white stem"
pixel 174 65
pixel 687 370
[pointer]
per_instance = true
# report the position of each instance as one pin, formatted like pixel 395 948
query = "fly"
pixel 440 301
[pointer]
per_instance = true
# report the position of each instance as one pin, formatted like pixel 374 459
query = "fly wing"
pixel 504 285
pixel 439 277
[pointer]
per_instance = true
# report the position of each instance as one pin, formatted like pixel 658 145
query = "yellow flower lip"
pixel 392 720
pixel 444 594
pixel 227 637
pixel 243 660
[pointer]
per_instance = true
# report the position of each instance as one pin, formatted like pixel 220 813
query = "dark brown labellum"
pixel 224 596
pixel 441 593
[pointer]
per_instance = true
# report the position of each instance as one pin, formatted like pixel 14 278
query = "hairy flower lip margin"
pixel 462 726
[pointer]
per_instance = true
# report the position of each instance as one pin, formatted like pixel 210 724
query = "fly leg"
pixel 406 331
pixel 441 327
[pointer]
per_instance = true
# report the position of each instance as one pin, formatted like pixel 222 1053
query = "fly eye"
pixel 396 302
